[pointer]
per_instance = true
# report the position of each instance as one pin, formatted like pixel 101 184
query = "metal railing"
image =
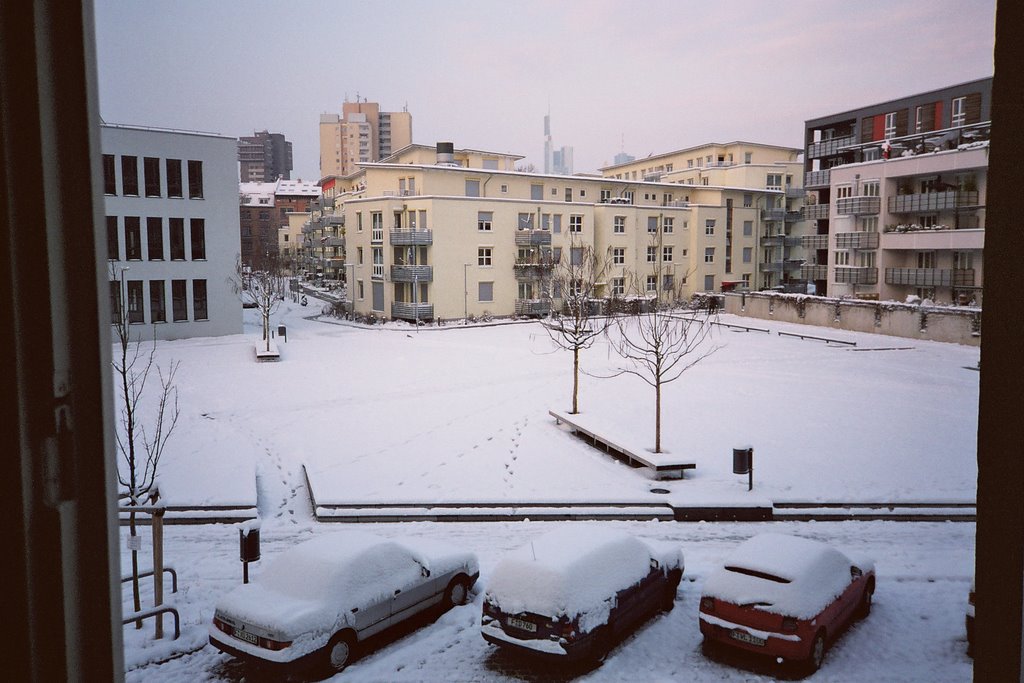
pixel 857 240
pixel 813 212
pixel 410 311
pixel 532 306
pixel 930 277
pixel 829 147
pixel 858 206
pixel 856 276
pixel 526 238
pixel 412 237
pixel 814 241
pixel 817 178
pixel 933 201
pixel 813 271
pixel 412 273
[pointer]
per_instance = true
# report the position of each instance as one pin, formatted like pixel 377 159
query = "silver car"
pixel 316 602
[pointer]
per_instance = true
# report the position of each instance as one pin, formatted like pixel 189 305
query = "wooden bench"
pixel 663 466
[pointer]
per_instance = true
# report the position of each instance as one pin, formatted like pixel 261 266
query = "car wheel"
pixel 817 652
pixel 602 644
pixel 864 609
pixel 457 592
pixel 338 652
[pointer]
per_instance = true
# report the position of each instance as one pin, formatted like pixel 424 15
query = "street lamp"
pixel 465 293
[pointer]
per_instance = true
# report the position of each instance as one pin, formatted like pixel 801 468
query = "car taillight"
pixel 490 608
pixel 274 644
pixel 707 604
pixel 789 624
pixel 222 625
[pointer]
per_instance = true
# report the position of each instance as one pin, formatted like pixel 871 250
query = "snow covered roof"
pixel 781 574
pixel 256 194
pixel 297 187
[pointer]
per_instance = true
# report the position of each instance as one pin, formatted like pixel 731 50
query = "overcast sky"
pixel 646 76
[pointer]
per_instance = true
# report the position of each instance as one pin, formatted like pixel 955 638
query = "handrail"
pixel 155 611
pixel 824 339
pixel 142 575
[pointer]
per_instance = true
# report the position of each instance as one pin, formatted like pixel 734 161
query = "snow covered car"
pixel 571 592
pixel 785 596
pixel 316 601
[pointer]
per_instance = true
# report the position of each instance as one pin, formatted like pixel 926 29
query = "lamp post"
pixel 465 293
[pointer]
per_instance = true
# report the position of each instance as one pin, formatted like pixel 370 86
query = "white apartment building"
pixel 171 201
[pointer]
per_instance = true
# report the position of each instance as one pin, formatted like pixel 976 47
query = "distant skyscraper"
pixel 547 143
pixel 264 157
pixel 361 133
pixel 623 158
pixel 557 161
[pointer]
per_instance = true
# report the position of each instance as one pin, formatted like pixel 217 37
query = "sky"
pixel 644 77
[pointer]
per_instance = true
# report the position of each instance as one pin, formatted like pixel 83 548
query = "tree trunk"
pixel 135 572
pixel 575 379
pixel 657 416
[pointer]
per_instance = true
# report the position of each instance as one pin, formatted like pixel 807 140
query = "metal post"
pixel 750 481
pixel 465 293
pixel 158 569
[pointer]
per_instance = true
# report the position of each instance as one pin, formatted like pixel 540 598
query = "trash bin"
pixel 742 460
pixel 249 545
pixel 282 332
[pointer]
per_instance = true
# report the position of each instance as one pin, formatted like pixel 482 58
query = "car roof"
pixel 788 557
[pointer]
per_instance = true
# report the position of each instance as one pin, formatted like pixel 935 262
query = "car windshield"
pixel 757 574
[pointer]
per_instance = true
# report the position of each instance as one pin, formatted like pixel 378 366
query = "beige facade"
pixel 361 133
pixel 471 236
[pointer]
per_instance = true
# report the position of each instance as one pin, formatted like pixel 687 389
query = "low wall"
pixel 959 325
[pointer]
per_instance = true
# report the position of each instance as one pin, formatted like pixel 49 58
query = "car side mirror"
pixel 856 573
pixel 654 563
pixel 424 572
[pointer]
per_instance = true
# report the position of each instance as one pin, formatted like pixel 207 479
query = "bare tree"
pixel 660 343
pixel 140 448
pixel 581 322
pixel 265 289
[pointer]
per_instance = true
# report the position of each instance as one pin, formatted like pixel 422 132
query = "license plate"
pixel 246 636
pixel 745 637
pixel 522 625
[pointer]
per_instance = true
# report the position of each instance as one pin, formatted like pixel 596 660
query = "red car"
pixel 785 596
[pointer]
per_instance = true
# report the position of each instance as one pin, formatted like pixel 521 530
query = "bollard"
pixel 743 463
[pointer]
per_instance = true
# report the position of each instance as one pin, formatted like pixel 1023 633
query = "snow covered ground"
pixel 914 633
pixel 393 415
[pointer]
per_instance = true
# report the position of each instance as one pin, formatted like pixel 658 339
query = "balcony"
pixel 336 262
pixel 533 306
pixel 858 206
pixel 929 277
pixel 781 240
pixel 813 271
pixel 827 148
pixel 334 219
pixel 414 238
pixel 529 270
pixel 814 179
pixel 856 276
pixel 933 201
pixel 326 202
pixel 788 265
pixel 408 311
pixel 935 240
pixel 814 241
pixel 814 212
pixel 417 273
pixel 529 238
pixel 795 192
pixel 857 240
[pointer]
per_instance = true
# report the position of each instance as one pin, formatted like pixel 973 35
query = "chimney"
pixel 445 153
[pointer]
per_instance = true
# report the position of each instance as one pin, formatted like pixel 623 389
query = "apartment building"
pixel 361 133
pixel 897 197
pixel 172 230
pixel 263 210
pixel 263 157
pixel 462 233
pixel 741 175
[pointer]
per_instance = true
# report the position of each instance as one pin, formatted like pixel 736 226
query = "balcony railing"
pixel 858 206
pixel 334 219
pixel 533 306
pixel 527 269
pixel 829 147
pixel 780 266
pixel 527 238
pixel 814 241
pixel 377 235
pixel 327 202
pixel 929 277
pixel 417 273
pixel 412 237
pixel 814 271
pixel 332 241
pixel 409 311
pixel 857 240
pixel 813 212
pixel 932 201
pixel 795 192
pixel 781 240
pixel 856 276
pixel 773 214
pixel 817 178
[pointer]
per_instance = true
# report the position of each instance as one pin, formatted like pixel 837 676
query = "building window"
pixel 485 291
pixel 173 177
pixel 869 189
pixel 113 243
pixel 619 256
pixel 109 175
pixel 557 223
pixel 666 254
pixel 199 299
pixel 575 223
pixel 842 258
pixel 963 260
pixel 526 221
pixel 130 176
pixel 155 238
pixel 652 254
pixel 151 175
pixel 605 196
pixel 619 225
pixel 773 181
pixel 483 220
pixel 926 259
pixel 545 222
pixel 556 255
pixel 652 224
pixel 576 256
pixel 869 224
pixel 747 254
pixel 136 314
pixel 132 238
pixel 359 221
pixel 618 286
pixel 536 192
pixel 652 283
pixel 504 189
pixel 890 125
pixel 115 301
pixel 748 200
pixel 667 282
pixel 179 306
pixel 359 256
pixel 748 228
pixel 483 256
pixel 198 229
pixel 377 254
pixel 195 179
pixel 709 255
pixel 709 226
pixel 959 115
pixel 176 228
pixel 472 188
pixel 844 191
pixel 360 290
pixel 668 224
pixel 866 259
pixel 157 307
pixel 709 283
pixel 568 194
pixel 748 157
